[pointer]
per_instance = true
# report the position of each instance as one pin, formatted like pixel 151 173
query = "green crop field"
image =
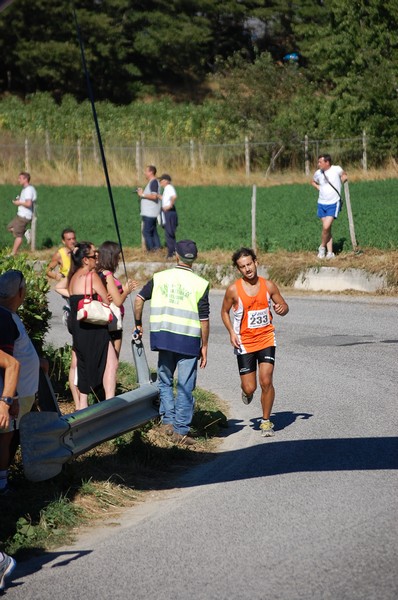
pixel 216 217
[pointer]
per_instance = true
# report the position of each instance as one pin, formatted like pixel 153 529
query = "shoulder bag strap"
pixel 331 184
pixel 90 295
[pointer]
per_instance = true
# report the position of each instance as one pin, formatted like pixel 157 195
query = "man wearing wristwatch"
pixel 14 341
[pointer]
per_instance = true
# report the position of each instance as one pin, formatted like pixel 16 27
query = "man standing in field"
pixel 25 202
pixel 169 213
pixel 179 331
pixel 150 209
pixel 327 180
pixel 252 333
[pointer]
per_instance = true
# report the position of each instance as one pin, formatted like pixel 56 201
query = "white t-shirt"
pixel 28 193
pixel 327 195
pixel 25 353
pixel 168 192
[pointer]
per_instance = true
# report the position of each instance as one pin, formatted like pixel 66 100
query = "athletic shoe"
pixel 28 235
pixel 330 255
pixel 267 428
pixel 246 399
pixel 7 565
pixel 321 252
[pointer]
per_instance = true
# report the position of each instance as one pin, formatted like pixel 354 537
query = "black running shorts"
pixel 247 363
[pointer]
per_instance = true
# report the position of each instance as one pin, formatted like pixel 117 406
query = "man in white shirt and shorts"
pixel 327 180
pixel 25 202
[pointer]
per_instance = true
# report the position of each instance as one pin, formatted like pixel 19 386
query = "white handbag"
pixel 116 324
pixel 92 311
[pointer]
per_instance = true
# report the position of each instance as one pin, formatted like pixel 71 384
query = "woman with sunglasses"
pixel 96 357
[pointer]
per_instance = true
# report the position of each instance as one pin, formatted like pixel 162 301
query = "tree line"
pixel 279 67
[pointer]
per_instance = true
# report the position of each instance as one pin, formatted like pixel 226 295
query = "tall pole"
pixel 350 217
pixel 254 201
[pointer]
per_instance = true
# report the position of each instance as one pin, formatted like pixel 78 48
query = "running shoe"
pixel 246 399
pixel 321 252
pixel 267 428
pixel 7 565
pixel 28 235
pixel 330 255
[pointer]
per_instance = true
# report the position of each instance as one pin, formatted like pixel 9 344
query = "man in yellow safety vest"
pixel 179 331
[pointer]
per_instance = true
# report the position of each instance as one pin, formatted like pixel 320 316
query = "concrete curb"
pixel 338 280
pixel 326 279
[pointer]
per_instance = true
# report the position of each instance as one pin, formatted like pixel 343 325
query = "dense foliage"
pixel 34 312
pixel 343 80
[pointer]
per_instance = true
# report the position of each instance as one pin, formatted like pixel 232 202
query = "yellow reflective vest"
pixel 174 318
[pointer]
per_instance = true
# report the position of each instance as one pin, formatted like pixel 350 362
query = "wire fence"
pixel 248 156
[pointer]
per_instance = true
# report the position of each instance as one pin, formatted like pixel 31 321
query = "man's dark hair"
pixel 326 158
pixel 67 230
pixel 152 169
pixel 242 252
pixel 108 256
pixel 26 175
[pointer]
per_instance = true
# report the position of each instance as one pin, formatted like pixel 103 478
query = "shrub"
pixel 34 312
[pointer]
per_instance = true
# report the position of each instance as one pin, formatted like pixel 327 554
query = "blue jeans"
pixel 170 231
pixel 177 410
pixel 150 233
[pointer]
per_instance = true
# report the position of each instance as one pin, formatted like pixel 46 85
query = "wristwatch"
pixel 9 400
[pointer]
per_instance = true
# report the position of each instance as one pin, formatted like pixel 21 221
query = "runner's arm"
pixel 281 307
pixel 228 302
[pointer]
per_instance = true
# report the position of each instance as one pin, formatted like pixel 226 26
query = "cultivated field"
pixel 216 217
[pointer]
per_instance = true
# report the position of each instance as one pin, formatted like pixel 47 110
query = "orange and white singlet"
pixel 252 319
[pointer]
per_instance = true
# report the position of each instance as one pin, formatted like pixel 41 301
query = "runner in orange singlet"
pixel 252 333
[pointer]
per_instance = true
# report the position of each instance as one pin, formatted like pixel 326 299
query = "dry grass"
pixel 284 267
pixel 123 173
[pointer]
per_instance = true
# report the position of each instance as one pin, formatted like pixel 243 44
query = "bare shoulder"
pixel 272 287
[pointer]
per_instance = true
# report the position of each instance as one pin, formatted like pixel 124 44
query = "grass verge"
pixel 97 485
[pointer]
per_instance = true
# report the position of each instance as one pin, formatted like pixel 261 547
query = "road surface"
pixel 310 513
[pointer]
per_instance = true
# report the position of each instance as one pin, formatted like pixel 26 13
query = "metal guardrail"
pixel 49 440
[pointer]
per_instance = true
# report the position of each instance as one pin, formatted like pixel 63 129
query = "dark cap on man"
pixel 187 250
pixel 165 176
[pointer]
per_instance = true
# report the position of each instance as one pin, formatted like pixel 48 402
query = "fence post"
pixel 192 154
pixel 138 159
pixel 95 153
pixel 364 152
pixel 142 153
pixel 306 156
pixel 254 201
pixel 79 161
pixel 350 217
pixel 33 228
pixel 247 156
pixel 201 154
pixel 27 155
pixel 48 147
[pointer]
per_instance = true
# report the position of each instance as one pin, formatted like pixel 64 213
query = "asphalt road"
pixel 310 513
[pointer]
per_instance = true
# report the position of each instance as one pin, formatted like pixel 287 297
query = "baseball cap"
pixel 187 249
pixel 10 283
pixel 165 176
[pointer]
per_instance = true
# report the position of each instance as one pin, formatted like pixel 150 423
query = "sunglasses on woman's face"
pixel 95 255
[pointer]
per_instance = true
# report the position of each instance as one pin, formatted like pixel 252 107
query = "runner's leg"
pixel 266 371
